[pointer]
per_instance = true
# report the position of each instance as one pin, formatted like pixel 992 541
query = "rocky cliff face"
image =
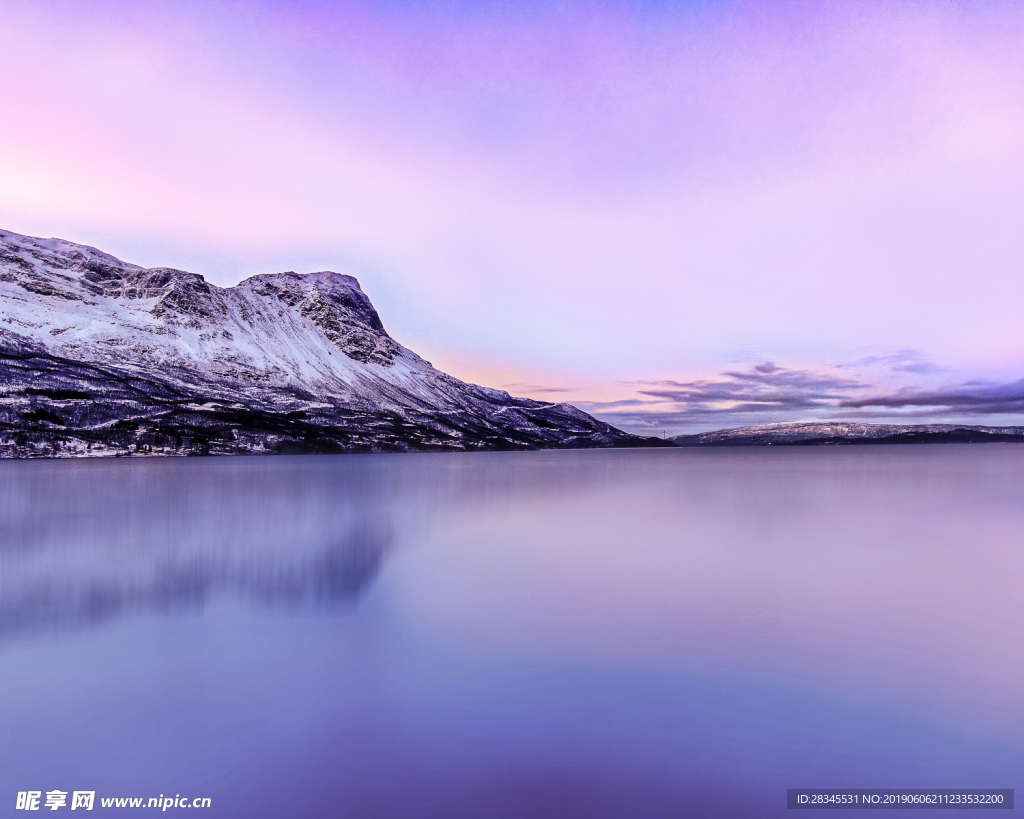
pixel 102 357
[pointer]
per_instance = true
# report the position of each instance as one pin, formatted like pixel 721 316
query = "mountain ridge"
pixel 100 356
pixel 809 433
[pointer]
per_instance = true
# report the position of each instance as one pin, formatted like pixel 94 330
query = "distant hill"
pixel 840 433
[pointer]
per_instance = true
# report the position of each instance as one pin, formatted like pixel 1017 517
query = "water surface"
pixel 659 633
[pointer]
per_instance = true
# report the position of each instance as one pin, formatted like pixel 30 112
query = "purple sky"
pixel 679 216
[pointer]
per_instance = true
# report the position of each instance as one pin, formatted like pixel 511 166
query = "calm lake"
pixel 635 634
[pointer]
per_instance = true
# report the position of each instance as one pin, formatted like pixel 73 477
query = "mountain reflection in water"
pixel 92 540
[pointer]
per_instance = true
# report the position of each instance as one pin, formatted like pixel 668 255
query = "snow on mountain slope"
pixel 309 345
pixel 317 331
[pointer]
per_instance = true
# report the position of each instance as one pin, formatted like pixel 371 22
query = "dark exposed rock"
pixel 346 326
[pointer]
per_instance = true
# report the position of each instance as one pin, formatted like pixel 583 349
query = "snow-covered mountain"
pixel 98 356
pixel 840 432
